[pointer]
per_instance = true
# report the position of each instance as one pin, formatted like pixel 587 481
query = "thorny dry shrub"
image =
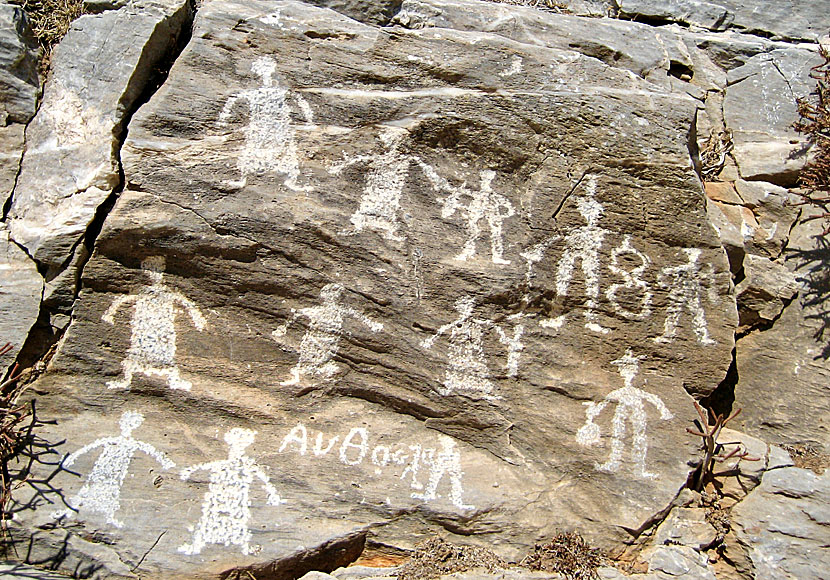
pixel 808 457
pixel 50 20
pixel 814 122
pixel 567 554
pixel 436 557
pixel 550 5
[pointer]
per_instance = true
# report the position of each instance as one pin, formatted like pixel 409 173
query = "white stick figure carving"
pixel 226 508
pixel 684 285
pixel 270 140
pixel 630 403
pixel 386 177
pixel 325 327
pixel 102 491
pixel 584 243
pixel 467 370
pixel 446 461
pixel 153 341
pixel 632 280
pixel 536 254
pixel 484 203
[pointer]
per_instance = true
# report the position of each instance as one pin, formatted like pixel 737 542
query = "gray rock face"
pixel 409 279
pixel 783 524
pixel 21 288
pixel 71 164
pixel 368 11
pixel 787 19
pixel 18 90
pixel 792 353
pixel 767 287
pixel 760 108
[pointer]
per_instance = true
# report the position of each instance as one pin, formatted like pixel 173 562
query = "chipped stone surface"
pixel 686 527
pixel 766 289
pixel 760 109
pixel 783 524
pixel 71 164
pixel 21 288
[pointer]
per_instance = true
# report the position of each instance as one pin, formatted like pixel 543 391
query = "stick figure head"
pixel 487 177
pixel 465 306
pixel 331 292
pixel 154 267
pixel 238 439
pixel 264 67
pixel 130 420
pixel 392 136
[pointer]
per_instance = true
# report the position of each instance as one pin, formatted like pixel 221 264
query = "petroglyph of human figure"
pixel 270 140
pixel 633 280
pixel 583 244
pixel 153 341
pixel 536 254
pixel 102 491
pixel 630 403
pixel 386 175
pixel 226 508
pixel 446 461
pixel 325 327
pixel 467 370
pixel 484 203
pixel 684 285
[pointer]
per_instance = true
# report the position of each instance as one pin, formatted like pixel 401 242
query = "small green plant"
pixel 714 452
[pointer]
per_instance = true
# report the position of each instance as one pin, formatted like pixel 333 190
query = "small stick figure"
pixel 226 508
pixel 684 285
pixel 386 177
pixel 102 491
pixel 325 327
pixel 447 461
pixel 270 144
pixel 484 204
pixel 467 370
pixel 153 342
pixel 630 407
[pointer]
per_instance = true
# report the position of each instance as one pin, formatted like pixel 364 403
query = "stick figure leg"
pixel 128 367
pixel 613 463
pixel 174 381
pixel 469 249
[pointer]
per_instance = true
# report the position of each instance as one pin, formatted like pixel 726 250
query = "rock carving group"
pixel 270 145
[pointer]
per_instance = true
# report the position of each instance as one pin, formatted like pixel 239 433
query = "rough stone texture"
pixel 368 11
pixel 786 366
pixel 16 571
pixel 784 524
pixel 408 411
pixel 686 527
pixel 21 288
pixel 666 562
pixel 18 90
pixel 738 477
pixel 71 163
pixel 786 19
pixel 642 49
pixel 760 108
pixel 766 288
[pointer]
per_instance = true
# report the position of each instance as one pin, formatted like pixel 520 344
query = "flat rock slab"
pixel 364 279
pixel 71 163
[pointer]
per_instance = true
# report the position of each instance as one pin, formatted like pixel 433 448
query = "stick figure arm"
pixel 70 459
pixel 185 473
pixel 280 331
pixel 658 403
pixel 226 110
pixel 273 496
pixel 373 325
pixel 339 166
pixel 427 343
pixel 195 314
pixel 165 461
pixel 108 316
pixel 594 409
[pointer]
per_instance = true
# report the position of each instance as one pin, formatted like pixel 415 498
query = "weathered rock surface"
pixel 21 288
pixel 18 90
pixel 397 288
pixel 786 366
pixel 764 292
pixel 71 163
pixel 783 524
pixel 787 19
pixel 760 108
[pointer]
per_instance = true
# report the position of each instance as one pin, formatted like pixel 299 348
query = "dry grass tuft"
pixel 50 21
pixel 436 557
pixel 550 5
pixel 808 457
pixel 567 554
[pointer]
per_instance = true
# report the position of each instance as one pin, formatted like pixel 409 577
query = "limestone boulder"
pixel 361 285
pixel 18 90
pixel 71 163
pixel 21 289
pixel 782 524
pixel 760 108
pixel 766 289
